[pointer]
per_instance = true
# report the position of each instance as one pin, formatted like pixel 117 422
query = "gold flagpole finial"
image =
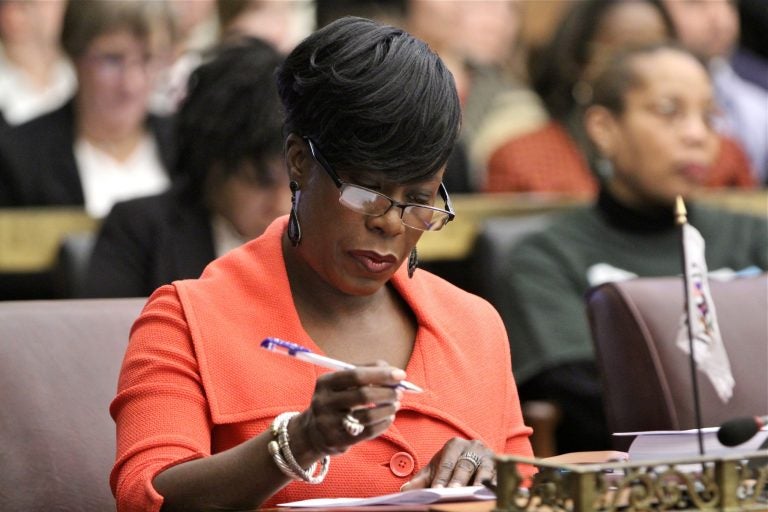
pixel 681 214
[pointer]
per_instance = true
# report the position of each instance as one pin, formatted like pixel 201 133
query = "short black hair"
pixel 557 67
pixel 373 98
pixel 231 114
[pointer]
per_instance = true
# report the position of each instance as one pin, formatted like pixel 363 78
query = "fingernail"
pixel 397 405
pixel 405 486
pixel 454 484
pixel 398 374
pixel 439 486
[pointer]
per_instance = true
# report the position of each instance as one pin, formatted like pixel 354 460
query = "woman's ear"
pixel 298 160
pixel 600 125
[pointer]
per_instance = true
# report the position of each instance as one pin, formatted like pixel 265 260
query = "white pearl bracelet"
pixel 281 453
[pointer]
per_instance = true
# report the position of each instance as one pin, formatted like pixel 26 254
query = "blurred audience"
pixel 650 120
pixel 35 76
pixel 204 23
pixel 478 41
pixel 711 30
pixel 231 180
pixel 281 23
pixel 102 146
pixel 196 31
pixel 391 12
pixel 556 157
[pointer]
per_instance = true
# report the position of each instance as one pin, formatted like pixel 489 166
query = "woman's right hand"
pixel 365 395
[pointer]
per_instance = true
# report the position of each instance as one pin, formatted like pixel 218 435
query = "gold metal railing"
pixel 728 484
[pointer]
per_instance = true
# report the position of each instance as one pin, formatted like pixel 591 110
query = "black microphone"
pixel 740 430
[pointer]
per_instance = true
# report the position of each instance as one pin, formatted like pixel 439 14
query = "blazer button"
pixel 401 464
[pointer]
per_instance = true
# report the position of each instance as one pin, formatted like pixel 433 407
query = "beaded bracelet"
pixel 281 453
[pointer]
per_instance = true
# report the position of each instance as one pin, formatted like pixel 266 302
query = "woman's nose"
pixel 697 129
pixel 389 223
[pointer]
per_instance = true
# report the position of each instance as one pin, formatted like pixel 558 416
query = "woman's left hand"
pixel 459 462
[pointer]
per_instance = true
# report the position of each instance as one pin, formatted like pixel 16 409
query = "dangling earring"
pixel 604 169
pixel 413 262
pixel 294 228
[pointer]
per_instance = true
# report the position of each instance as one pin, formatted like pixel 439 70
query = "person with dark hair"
pixel 650 118
pixel 103 145
pixel 457 178
pixel 231 180
pixel 208 420
pixel 556 157
pixel 711 31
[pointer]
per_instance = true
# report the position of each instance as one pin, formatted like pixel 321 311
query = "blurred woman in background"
pixel 557 157
pixel 651 123
pixel 103 145
pixel 231 180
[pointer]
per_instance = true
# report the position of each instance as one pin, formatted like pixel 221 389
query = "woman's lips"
pixel 374 262
pixel 694 172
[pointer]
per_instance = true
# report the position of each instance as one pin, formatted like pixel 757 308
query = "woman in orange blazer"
pixel 207 419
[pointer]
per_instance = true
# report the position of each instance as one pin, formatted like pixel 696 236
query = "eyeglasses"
pixel 112 65
pixel 375 204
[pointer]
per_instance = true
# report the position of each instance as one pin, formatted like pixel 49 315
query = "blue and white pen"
pixel 303 353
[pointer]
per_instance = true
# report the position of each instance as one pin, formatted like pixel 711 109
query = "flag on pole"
pixel 708 348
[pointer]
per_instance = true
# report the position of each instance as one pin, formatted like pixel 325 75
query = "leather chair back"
pixel 496 237
pixel 647 378
pixel 59 363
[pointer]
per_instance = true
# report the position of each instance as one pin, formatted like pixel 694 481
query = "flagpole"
pixel 681 219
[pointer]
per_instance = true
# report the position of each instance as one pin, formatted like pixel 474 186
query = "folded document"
pixel 414 497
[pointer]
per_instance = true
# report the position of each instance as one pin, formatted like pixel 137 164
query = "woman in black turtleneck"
pixel 651 123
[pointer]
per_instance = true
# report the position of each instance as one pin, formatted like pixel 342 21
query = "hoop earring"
pixel 294 228
pixel 413 262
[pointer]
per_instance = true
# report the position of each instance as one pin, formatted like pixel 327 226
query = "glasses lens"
pixel 364 201
pixel 369 202
pixel 424 219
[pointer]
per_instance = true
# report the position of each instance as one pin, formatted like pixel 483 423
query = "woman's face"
pixel 663 143
pixel 115 79
pixel 250 206
pixel 354 253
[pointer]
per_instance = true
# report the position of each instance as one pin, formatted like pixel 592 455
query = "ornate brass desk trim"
pixel 736 483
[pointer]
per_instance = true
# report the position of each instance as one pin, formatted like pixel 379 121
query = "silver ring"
pixel 472 457
pixel 352 425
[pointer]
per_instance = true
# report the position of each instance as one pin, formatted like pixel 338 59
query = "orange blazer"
pixel 195 380
pixel 549 160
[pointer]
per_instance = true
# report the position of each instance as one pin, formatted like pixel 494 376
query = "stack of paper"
pixel 414 497
pixel 678 444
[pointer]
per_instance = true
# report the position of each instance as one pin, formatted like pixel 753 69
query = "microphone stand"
pixel 681 220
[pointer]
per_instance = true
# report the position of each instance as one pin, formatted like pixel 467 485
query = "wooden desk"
pixel 30 237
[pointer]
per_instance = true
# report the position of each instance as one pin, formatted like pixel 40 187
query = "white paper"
pixel 414 497
pixel 679 444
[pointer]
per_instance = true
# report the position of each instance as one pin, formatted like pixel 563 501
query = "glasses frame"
pixel 341 184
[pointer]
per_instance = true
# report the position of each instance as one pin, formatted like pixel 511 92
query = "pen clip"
pixel 279 345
